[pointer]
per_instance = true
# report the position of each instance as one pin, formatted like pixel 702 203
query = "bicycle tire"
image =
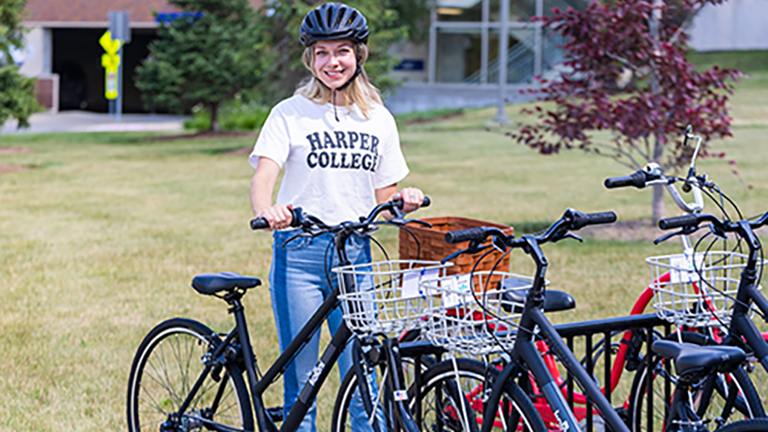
pixel 751 425
pixel 748 403
pixel 340 420
pixel 440 413
pixel 757 374
pixel 167 364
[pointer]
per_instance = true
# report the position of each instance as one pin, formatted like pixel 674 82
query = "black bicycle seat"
pixel 212 283
pixel 691 359
pixel 554 300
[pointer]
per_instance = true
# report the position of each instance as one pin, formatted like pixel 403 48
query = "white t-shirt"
pixel 332 168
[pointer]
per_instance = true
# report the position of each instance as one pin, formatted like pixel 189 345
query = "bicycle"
pixel 518 345
pixel 704 292
pixel 187 377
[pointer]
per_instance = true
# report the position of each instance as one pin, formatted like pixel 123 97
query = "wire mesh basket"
pixel 476 313
pixel 696 290
pixel 385 297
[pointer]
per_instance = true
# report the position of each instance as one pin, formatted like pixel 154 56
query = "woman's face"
pixel 335 62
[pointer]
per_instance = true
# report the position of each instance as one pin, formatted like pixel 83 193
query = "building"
pixel 469 40
pixel 733 25
pixel 457 66
pixel 460 64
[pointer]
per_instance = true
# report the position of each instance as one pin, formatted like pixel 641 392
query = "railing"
pixel 611 330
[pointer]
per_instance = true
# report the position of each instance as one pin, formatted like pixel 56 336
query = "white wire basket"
pixel 696 290
pixel 385 297
pixel 477 314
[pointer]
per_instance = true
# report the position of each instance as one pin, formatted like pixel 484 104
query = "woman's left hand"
pixel 412 198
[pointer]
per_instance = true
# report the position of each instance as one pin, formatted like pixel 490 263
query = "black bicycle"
pixel 514 319
pixel 187 377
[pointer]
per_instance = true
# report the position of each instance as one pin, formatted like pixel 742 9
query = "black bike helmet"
pixel 332 21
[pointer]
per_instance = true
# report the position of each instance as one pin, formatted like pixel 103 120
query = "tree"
pixel 17 93
pixel 203 56
pixel 628 75
pixel 280 68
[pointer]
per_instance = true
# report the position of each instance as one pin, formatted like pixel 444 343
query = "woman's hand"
pixel 412 198
pixel 278 216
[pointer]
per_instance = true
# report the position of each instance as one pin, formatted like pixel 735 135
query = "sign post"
pixel 110 61
pixel 119 34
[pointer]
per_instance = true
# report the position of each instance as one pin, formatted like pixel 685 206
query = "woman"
pixel 341 154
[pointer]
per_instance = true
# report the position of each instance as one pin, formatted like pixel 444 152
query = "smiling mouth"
pixel 334 74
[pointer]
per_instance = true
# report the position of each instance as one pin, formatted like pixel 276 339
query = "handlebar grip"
pixel 261 223
pixel 581 220
pixel 399 202
pixel 636 179
pixel 678 221
pixel 477 233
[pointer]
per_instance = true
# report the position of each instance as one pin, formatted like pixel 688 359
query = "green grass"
pixel 99 242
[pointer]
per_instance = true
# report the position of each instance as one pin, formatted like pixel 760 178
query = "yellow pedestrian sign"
pixel 111 63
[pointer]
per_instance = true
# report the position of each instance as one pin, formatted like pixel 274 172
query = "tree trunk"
pixel 657 212
pixel 215 118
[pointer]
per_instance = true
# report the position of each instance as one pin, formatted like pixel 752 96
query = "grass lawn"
pixel 100 238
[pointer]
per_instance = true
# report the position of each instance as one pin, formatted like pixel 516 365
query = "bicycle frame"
pixel 742 325
pixel 526 352
pixel 258 386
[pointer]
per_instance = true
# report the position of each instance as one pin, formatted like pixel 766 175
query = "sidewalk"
pixel 84 121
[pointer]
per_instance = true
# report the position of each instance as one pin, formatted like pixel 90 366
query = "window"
pixel 458 55
pixel 460 10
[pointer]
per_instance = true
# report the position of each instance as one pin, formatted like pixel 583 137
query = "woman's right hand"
pixel 278 216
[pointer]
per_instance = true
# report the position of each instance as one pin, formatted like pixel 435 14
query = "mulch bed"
pixel 7 169
pixel 14 150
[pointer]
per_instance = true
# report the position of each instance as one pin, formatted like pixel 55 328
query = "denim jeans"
pixel 299 285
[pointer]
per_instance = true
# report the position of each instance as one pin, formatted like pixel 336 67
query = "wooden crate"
pixel 435 248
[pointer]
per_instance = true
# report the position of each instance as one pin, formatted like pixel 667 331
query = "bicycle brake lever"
pixel 453 255
pixel 666 237
pixel 557 237
pixel 420 222
pixel 295 236
pixel 573 236
pixel 717 231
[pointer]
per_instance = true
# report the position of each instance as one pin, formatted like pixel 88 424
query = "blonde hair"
pixel 359 92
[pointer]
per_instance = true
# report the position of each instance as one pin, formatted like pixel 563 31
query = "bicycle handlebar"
pixel 691 222
pixel 300 219
pixel 678 221
pixel 476 233
pixel 572 220
pixel 261 223
pixel 636 179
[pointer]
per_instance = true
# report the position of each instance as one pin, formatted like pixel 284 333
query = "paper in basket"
pixel 682 269
pixel 412 281
pixel 456 289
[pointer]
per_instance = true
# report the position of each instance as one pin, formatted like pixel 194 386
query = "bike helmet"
pixel 332 21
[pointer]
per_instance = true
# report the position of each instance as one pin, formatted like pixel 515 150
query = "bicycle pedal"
pixel 275 413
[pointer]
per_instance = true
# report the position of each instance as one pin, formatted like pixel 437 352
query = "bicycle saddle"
pixel 554 300
pixel 212 283
pixel 690 359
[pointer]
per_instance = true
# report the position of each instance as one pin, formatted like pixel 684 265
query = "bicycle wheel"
pixel 452 387
pixel 343 421
pixel 753 425
pixel 709 398
pixel 757 374
pixel 167 365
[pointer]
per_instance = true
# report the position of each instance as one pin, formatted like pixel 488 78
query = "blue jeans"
pixel 299 285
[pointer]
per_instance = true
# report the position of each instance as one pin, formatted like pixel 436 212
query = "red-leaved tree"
pixel 627 74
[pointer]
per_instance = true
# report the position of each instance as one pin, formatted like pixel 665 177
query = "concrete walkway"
pixel 84 121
